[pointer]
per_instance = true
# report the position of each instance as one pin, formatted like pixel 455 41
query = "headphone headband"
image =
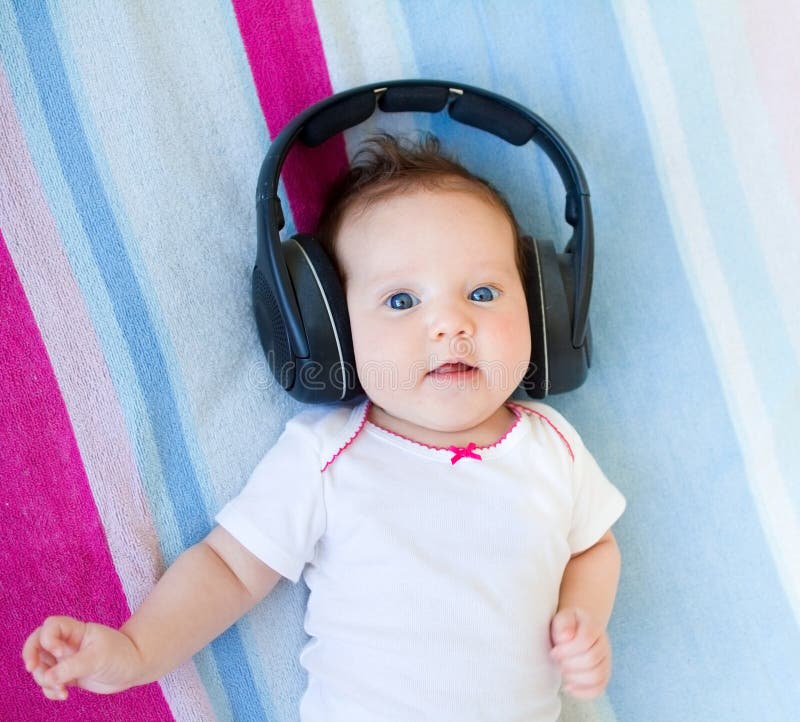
pixel 465 104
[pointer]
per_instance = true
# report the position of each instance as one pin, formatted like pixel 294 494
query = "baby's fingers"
pixel 34 654
pixel 49 690
pixel 585 693
pixel 70 669
pixel 31 651
pixel 54 679
pixel 61 635
pixel 599 653
pixel 588 684
pixel 586 676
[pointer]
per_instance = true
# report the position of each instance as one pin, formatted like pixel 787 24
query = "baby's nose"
pixel 450 320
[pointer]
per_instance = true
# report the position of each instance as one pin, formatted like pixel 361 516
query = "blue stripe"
pixel 130 309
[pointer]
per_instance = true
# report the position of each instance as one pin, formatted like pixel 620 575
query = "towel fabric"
pixel 135 400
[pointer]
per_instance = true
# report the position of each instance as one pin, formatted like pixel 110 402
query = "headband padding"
pixel 405 99
pixel 494 117
pixel 338 117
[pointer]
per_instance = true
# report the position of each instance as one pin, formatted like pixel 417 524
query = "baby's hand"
pixel 66 652
pixel 582 651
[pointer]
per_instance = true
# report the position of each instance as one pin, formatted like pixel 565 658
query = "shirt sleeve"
pixel 279 515
pixel 597 502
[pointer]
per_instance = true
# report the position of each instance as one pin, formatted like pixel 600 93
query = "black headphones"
pixel 298 298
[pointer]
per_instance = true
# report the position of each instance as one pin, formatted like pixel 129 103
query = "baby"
pixel 456 544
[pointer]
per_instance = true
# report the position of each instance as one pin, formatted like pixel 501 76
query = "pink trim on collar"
pixel 551 424
pixel 468 451
pixel 450 449
pixel 350 440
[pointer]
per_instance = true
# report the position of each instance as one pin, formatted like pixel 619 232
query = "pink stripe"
pixel 287 61
pixel 55 560
pixel 772 27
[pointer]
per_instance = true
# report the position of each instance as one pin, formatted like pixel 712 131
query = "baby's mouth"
pixel 451 368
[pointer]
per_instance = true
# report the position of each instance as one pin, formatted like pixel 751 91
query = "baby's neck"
pixel 484 434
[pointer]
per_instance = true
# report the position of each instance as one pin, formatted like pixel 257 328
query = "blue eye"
pixel 401 301
pixel 484 293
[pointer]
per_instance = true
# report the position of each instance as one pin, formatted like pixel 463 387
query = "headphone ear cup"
pixel 329 373
pixel 272 331
pixel 567 366
pixel 535 381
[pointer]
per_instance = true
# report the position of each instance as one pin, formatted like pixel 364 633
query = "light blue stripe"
pixel 130 308
pixel 732 227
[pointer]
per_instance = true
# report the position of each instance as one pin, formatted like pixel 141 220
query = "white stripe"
pixel 366 44
pixel 695 242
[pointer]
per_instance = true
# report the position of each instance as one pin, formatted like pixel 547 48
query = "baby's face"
pixel 437 308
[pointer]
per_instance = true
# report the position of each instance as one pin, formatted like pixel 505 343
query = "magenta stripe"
pixel 53 555
pixel 290 73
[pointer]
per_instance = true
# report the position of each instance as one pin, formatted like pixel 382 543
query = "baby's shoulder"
pixel 327 428
pixel 550 422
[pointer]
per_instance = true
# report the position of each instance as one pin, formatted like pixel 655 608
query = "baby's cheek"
pixel 378 367
pixel 513 342
pixel 366 341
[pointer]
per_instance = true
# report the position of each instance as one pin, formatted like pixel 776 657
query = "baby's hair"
pixel 386 166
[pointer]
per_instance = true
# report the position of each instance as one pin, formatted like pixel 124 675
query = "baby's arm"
pixel 204 592
pixel 578 630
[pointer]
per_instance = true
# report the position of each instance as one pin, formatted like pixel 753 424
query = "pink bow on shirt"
pixel 464 452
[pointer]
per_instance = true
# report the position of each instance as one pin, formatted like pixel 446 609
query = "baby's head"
pixel 386 166
pixel 432 265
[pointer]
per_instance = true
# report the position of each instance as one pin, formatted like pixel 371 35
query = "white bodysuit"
pixel 433 573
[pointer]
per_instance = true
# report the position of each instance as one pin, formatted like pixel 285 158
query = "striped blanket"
pixel 134 398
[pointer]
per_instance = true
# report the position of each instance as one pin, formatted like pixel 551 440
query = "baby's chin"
pixel 443 425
